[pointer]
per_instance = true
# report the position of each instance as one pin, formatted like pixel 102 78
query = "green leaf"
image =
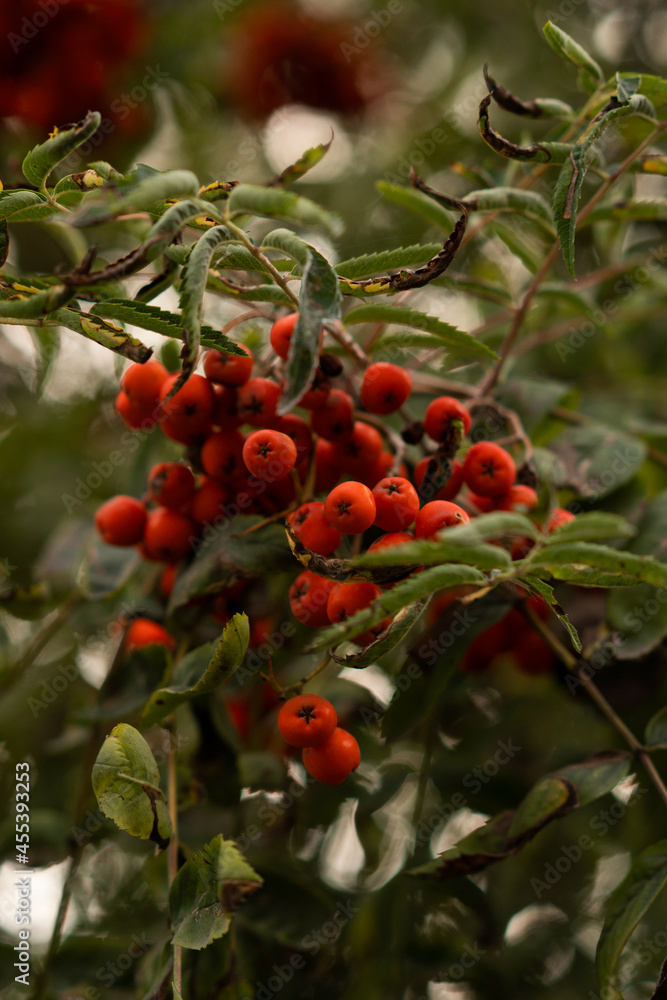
pixel 202 670
pixel 193 286
pixel 640 613
pixel 41 160
pixel 593 526
pixel 305 163
pixel 547 593
pixel 106 569
pixel 101 331
pixel 416 202
pixel 386 260
pixel 22 306
pixel 397 631
pixel 456 340
pixel 24 206
pixel 558 555
pixel 126 782
pixel 207 890
pixel 597 775
pixel 516 243
pixel 630 210
pixel 571 178
pixel 415 588
pixel 656 730
pixel 598 459
pixel 566 47
pixel 627 905
pixel 548 798
pixel 162 321
pixel 506 199
pixel 319 300
pixel 147 194
pixel 250 199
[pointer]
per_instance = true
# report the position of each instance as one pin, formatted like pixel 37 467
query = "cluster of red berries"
pixel 310 723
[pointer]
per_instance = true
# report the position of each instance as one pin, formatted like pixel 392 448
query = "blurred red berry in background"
pixel 279 55
pixel 61 58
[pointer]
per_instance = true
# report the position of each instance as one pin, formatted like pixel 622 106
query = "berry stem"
pixel 263 260
pixel 298 686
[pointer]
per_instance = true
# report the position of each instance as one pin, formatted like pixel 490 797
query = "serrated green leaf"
pixel 24 206
pixel 656 730
pixel 597 775
pixel 162 321
pixel 41 160
pixel 416 202
pixel 250 199
pixel 593 526
pixel 547 593
pixel 147 194
pixel 207 890
pixel 629 210
pixel 506 199
pixel 571 178
pixel 517 244
pixel 397 631
pixel 547 798
pixel 627 905
pixel 415 588
pixel 305 163
pixel 193 286
pixel 23 306
pixel 625 565
pixel 458 340
pixel 126 782
pixel 566 47
pixel 387 260
pixel 202 670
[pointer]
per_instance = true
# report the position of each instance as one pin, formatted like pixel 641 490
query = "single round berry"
pixel 224 415
pixel 256 402
pixel 360 451
pixel 168 579
pixel 439 415
pixel 142 384
pixel 281 334
pixel 228 369
pixel 350 508
pixel 144 632
pixel 334 419
pixel 307 720
pixel 222 455
pixel 446 492
pixel 518 497
pixel 168 536
pixel 121 521
pixel 436 515
pixel 385 388
pixel 209 501
pixel 308 597
pixel 311 527
pixel 132 415
pixel 334 760
pixel 269 454
pixel 348 598
pixel 488 469
pixel 171 484
pixel 396 503
pixel 557 518
pixel 186 417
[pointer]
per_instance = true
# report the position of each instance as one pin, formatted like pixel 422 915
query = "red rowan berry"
pixel 334 419
pixel 310 526
pixel 347 598
pixel 281 334
pixel 334 760
pixel 224 415
pixel 142 384
pixel 187 415
pixel 436 515
pixel 168 536
pixel 171 484
pixel 269 454
pixel 131 415
pixel 557 518
pixel 385 388
pixel 121 521
pixel 144 632
pixel 488 469
pixel 327 472
pixel 360 451
pixel 307 720
pixel 228 369
pixel 439 415
pixel 208 501
pixel 256 402
pixel 222 454
pixel 396 503
pixel 350 508
pixel 308 597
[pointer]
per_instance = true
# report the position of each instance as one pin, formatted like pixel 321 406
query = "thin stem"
pixel 575 665
pixel 299 685
pixel 46 633
pixel 264 261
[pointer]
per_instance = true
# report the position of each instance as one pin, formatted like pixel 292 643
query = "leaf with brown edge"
pixel 342 570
